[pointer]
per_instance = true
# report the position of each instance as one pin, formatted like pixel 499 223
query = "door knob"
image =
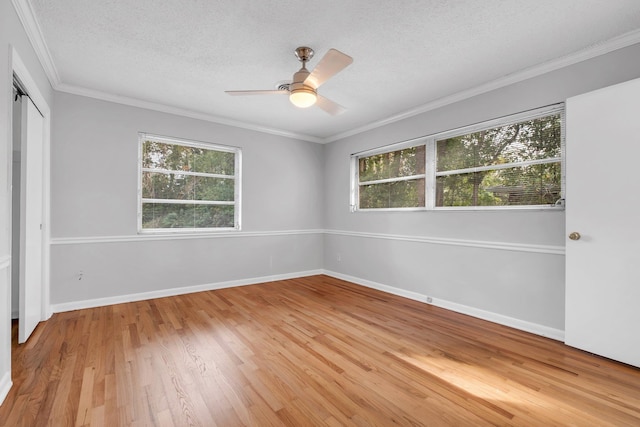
pixel 574 235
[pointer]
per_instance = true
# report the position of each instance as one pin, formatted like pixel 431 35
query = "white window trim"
pixel 354 196
pixel 237 202
pixel 430 167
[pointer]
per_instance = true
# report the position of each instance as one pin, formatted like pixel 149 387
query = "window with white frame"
pixel 393 179
pixel 510 162
pixel 187 185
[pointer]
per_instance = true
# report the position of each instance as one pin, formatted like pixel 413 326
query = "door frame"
pixel 19 68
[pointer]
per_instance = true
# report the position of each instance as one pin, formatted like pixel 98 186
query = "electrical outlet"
pixel 429 300
pixel 338 257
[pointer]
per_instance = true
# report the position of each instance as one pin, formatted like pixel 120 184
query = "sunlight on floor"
pixel 479 381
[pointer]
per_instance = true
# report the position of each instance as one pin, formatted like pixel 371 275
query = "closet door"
pixel 603 222
pixel 30 310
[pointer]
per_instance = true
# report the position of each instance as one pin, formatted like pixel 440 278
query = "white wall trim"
pixel 34 33
pixel 133 102
pixel 100 302
pixel 534 328
pixel 177 236
pixel 32 28
pixel 523 325
pixel 505 246
pixel 590 52
pixel 5 386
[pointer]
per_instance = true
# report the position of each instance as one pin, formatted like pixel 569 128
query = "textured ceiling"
pixel 407 54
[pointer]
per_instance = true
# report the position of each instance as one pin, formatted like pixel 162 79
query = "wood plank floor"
pixel 314 351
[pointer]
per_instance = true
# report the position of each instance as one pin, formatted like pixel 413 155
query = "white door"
pixel 603 206
pixel 30 301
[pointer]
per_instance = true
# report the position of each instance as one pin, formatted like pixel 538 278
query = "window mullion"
pixel 430 169
pixel 355 187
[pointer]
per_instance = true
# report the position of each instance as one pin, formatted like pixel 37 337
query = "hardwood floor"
pixel 314 351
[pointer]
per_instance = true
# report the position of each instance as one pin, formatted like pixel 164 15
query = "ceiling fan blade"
pixel 256 92
pixel 329 106
pixel 331 64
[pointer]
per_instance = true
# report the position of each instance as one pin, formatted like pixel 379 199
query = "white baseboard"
pixel 545 331
pixel 99 302
pixel 5 386
pixel 523 325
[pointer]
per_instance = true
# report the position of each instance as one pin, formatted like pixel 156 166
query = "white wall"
pixel 12 36
pixel 506 266
pixel 94 208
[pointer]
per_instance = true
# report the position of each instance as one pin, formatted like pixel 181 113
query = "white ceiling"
pixel 409 55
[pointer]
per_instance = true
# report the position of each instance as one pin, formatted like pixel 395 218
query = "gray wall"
pixel 96 252
pixel 12 36
pixel 502 265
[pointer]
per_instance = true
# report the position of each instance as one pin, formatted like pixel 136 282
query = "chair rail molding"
pixel 505 246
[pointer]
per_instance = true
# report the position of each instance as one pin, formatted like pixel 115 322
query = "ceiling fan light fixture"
pixel 303 97
pixel 303 88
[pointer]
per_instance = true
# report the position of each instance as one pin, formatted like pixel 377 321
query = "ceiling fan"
pixel 303 89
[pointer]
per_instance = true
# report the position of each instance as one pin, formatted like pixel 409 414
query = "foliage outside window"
pixel 392 180
pixel 512 165
pixel 186 185
pixel 511 162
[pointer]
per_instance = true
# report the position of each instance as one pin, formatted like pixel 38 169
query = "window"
pixel 393 179
pixel 511 165
pixel 187 185
pixel 510 162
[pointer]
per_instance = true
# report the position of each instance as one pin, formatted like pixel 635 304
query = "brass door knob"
pixel 574 236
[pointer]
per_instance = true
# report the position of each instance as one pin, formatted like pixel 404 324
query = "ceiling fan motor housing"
pixel 302 95
pixel 299 79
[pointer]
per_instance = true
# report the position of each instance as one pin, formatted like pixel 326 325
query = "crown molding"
pixel 32 28
pixel 607 46
pixel 34 34
pixel 134 102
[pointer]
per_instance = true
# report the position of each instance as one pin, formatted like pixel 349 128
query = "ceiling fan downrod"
pixel 302 95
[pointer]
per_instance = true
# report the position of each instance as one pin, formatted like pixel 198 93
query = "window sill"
pixel 467 209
